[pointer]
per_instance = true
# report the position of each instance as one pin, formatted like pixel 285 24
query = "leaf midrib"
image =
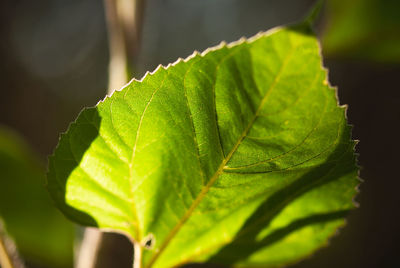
pixel 220 169
pixel 134 210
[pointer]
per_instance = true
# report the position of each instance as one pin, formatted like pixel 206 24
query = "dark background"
pixel 54 60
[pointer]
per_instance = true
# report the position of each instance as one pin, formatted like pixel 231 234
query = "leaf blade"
pixel 256 114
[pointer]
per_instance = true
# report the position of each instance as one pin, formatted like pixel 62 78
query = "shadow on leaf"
pixel 60 169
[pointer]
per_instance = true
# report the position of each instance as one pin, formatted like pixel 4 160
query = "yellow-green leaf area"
pixel 239 155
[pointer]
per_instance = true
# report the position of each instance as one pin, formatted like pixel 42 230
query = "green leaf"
pixel 42 234
pixel 363 29
pixel 238 155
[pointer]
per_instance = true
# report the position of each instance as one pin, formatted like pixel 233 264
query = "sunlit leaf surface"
pixel 238 155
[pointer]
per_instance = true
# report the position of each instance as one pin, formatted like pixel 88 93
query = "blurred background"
pixel 54 61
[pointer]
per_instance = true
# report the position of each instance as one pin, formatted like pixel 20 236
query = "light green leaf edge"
pixel 181 230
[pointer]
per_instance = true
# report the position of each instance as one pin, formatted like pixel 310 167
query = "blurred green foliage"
pixel 43 236
pixel 363 29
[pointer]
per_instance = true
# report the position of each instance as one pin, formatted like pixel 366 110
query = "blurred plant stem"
pixel 89 248
pixel 9 257
pixel 124 24
pixel 5 259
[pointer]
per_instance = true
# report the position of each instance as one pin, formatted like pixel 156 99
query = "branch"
pixel 5 259
pixel 124 23
pixel 9 257
pixel 89 248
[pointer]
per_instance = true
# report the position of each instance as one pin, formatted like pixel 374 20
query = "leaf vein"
pixel 219 171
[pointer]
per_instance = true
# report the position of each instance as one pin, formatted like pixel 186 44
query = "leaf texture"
pixel 239 155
